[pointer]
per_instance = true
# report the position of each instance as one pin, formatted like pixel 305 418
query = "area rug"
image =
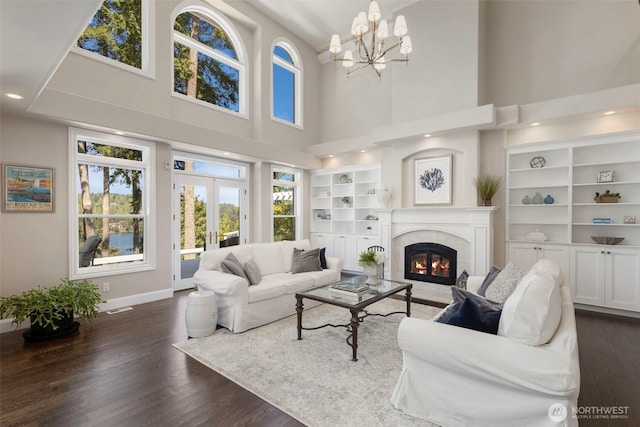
pixel 314 379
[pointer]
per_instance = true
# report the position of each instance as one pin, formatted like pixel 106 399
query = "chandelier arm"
pixel 391 48
pixel 360 67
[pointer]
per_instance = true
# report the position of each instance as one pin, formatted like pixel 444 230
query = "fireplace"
pixel 430 262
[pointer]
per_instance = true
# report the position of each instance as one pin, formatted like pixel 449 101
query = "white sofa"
pixel 241 306
pixel 454 376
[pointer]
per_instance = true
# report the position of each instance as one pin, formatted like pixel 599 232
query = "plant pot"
pixel 371 271
pixel 607 199
pixel 65 326
pixel 485 202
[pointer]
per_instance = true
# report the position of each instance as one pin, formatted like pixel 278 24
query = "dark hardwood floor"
pixel 122 370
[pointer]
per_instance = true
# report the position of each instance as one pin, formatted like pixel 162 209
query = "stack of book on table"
pixel 350 291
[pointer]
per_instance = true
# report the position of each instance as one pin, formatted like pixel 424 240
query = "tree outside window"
pixel 285 184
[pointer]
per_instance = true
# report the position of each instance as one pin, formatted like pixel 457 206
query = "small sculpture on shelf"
pixel 548 200
pixel 537 199
pixel 346 201
pixel 607 197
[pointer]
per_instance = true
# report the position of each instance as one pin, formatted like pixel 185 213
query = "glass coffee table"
pixel 375 293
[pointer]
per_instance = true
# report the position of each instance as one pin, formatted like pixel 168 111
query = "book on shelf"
pixel 603 220
pixel 350 287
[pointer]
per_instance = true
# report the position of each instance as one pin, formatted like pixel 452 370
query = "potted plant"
pixel 51 310
pixel 346 201
pixel 487 186
pixel 607 197
pixel 370 261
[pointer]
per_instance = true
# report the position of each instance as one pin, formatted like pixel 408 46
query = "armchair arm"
pixel 492 359
pixel 221 283
pixel 334 264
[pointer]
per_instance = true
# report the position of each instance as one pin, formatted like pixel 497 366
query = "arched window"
pixel 286 84
pixel 208 60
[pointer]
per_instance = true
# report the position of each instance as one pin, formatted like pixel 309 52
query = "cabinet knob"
pixel 608 252
pixel 602 252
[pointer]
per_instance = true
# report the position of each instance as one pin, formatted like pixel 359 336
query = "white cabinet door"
pixel 345 249
pixel 588 275
pixel 523 255
pixel 622 278
pixel 323 240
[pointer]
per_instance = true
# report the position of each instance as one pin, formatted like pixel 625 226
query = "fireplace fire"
pixel 430 262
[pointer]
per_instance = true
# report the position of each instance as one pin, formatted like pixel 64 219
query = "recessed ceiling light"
pixel 535 124
pixel 608 113
pixel 330 155
pixel 427 135
pixel 119 132
pixel 226 153
pixel 363 151
pixel 14 96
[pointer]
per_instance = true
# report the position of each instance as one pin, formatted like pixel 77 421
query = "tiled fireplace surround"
pixel 469 230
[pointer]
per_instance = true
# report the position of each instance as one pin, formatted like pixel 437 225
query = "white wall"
pixel 35 246
pixel 540 50
pixel 92 92
pixel 441 76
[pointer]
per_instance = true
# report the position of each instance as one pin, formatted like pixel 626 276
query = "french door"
pixel 207 216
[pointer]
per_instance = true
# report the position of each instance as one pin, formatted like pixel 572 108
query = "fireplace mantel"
pixel 473 224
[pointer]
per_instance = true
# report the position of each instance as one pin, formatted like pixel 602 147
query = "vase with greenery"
pixel 346 201
pixel 487 186
pixel 51 310
pixel 371 262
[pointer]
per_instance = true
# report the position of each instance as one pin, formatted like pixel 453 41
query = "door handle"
pixel 216 237
pixel 210 237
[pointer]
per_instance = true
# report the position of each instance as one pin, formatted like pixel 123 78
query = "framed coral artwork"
pixel 433 181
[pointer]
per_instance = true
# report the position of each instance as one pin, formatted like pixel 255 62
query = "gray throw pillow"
pixel 253 272
pixel 304 261
pixel 491 276
pixel 231 265
pixel 505 283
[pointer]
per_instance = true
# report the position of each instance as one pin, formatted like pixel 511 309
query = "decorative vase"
pixel 371 271
pixel 485 202
pixel 384 196
pixel 526 200
pixel 549 200
pixel 537 199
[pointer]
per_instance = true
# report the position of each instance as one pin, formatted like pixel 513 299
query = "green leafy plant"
pixel 45 305
pixel 346 200
pixel 487 186
pixel 371 257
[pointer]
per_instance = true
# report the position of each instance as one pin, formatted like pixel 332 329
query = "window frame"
pixel 147 166
pixel 240 64
pixel 148 23
pixel 297 184
pixel 296 69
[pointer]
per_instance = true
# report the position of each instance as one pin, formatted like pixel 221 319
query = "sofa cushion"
pixel 290 283
pixel 476 316
pixel 459 297
pixel 211 259
pixel 532 313
pixel 252 271
pixel 287 246
pixel 269 257
pixel 320 278
pixel 504 283
pixel 303 261
pixel 268 289
pixel 489 278
pixel 231 265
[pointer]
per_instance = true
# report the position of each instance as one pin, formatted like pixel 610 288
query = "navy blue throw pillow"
pixel 323 259
pixel 477 317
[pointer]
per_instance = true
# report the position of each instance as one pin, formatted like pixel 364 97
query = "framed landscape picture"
pixel 27 189
pixel 433 181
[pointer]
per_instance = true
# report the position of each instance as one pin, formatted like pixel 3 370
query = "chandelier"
pixel 369 27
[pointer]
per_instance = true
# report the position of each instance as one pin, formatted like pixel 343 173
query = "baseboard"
pixel 607 310
pixel 112 304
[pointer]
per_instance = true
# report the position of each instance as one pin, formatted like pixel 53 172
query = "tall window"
pixel 208 63
pixel 112 185
pixel 121 31
pixel 286 198
pixel 286 90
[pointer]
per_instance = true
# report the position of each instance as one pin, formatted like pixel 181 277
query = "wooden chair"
pixel 376 248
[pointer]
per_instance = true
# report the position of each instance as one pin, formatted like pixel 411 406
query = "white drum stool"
pixel 201 314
